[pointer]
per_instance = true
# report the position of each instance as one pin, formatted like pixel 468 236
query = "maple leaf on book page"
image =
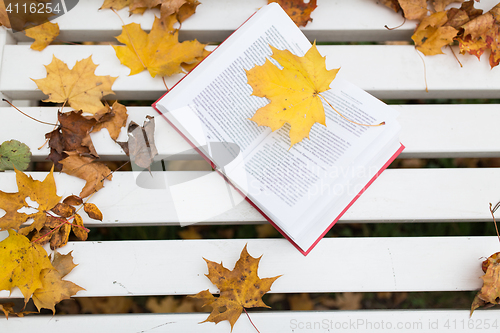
pixel 239 288
pixel 293 91
pixel 159 51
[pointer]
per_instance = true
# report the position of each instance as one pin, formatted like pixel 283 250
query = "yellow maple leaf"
pixel 79 87
pixel 43 192
pixel 431 34
pixel 159 51
pixel 239 288
pixel 43 35
pixel 21 263
pixel 294 91
pixel 54 289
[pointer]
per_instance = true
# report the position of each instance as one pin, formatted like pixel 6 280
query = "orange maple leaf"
pixel 239 288
pixel 93 172
pixel 159 51
pixel 43 192
pixel 298 10
pixel 294 91
pixel 482 33
pixel 79 87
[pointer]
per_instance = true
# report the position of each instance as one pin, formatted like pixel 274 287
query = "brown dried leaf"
pixel 63 210
pixel 113 121
pixel 78 228
pixel 92 211
pixel 414 9
pixel 140 146
pixel 298 10
pixel 239 288
pixel 73 200
pixel 93 172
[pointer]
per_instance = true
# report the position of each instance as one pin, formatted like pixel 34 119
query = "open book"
pixel 304 190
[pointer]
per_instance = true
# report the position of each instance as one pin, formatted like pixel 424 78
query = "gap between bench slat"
pixel 177 267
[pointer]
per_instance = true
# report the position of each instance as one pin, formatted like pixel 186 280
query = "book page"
pixel 218 94
pixel 293 183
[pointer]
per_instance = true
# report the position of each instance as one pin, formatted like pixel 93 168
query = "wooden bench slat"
pixel 428 131
pixel 273 321
pixel 396 72
pixel 371 264
pixel 399 195
pixel 354 20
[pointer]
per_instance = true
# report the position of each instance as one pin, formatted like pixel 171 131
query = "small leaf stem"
pixel 425 71
pixel 251 320
pixel 43 122
pixel 349 120
pixel 456 58
pixel 394 28
pixel 492 211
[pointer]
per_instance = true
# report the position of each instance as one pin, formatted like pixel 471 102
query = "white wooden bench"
pixel 369 264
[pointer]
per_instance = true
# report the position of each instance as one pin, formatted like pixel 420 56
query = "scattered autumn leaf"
pixel 14 155
pixel 4 17
pixel 113 121
pixel 43 34
pixel 239 288
pixel 21 263
pixel 431 34
pixel 294 91
pixel 79 87
pixel 298 10
pixel 43 192
pixel 54 289
pixel 482 33
pixel 7 308
pixel 414 9
pixel 92 211
pixel 140 146
pixel 440 5
pixel 93 172
pixel 489 294
pixel 181 9
pixel 159 51
pixel 71 135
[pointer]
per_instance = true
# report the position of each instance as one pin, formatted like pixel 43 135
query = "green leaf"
pixel 14 154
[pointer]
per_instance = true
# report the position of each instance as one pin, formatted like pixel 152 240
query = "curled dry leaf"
pixel 293 91
pixel 64 210
pixel 140 146
pixel 92 211
pixel 93 172
pixel 43 34
pixel 489 295
pixel 298 10
pixel 79 87
pixel 414 9
pixel 159 51
pixel 73 200
pixel 78 228
pixel 239 288
pixel 7 308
